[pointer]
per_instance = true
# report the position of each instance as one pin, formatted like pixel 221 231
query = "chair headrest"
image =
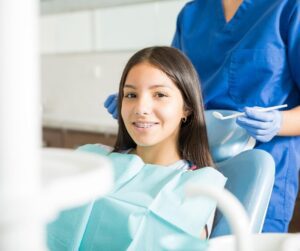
pixel 226 139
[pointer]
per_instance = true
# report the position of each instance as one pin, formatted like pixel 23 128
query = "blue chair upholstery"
pixel 250 173
pixel 250 178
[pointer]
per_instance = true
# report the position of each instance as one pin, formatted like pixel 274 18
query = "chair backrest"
pixel 250 178
pixel 250 173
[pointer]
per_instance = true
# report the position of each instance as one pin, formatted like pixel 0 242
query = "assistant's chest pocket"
pixel 255 75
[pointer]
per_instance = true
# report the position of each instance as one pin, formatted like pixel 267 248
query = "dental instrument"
pixel 218 115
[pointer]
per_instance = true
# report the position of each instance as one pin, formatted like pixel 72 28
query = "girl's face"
pixel 152 107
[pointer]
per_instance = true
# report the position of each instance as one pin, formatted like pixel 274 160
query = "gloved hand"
pixel 262 126
pixel 111 104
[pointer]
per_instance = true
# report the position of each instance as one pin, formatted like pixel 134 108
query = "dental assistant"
pixel 247 54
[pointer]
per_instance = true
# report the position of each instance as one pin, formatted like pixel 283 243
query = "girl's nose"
pixel 143 106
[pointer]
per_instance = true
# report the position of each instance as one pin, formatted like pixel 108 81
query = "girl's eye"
pixel 129 95
pixel 160 95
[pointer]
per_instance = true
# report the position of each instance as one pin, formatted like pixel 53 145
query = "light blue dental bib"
pixel 146 204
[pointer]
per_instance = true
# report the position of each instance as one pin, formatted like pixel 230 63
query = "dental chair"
pixel 250 172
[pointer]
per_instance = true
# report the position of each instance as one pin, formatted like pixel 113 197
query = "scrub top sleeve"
pixel 293 43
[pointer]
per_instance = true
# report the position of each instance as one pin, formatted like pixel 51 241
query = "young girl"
pixel 162 117
pixel 161 145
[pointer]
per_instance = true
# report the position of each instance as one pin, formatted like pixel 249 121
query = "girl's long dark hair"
pixel 193 142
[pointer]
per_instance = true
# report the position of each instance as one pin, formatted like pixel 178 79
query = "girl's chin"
pixel 144 144
pixel 144 140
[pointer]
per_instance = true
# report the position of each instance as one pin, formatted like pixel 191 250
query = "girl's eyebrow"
pixel 151 87
pixel 129 86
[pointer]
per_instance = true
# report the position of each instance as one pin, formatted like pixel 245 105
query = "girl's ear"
pixel 186 111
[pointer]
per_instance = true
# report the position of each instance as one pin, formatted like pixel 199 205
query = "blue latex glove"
pixel 262 126
pixel 111 104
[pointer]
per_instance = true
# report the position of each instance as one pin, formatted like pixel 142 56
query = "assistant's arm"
pixel 290 125
pixel 291 119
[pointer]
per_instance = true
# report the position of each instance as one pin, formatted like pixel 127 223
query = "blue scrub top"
pixel 252 60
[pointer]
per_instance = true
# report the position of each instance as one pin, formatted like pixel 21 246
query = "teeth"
pixel 143 125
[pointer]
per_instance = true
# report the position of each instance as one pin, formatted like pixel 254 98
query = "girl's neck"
pixel 158 155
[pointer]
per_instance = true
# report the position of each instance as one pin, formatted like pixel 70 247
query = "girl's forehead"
pixel 147 75
pixel 144 68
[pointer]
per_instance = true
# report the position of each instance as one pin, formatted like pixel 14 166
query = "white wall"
pixel 74 87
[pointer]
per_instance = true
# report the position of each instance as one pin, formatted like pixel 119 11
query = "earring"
pixel 184 119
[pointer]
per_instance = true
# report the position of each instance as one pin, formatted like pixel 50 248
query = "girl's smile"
pixel 141 125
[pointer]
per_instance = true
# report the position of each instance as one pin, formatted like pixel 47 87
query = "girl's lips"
pixel 144 124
